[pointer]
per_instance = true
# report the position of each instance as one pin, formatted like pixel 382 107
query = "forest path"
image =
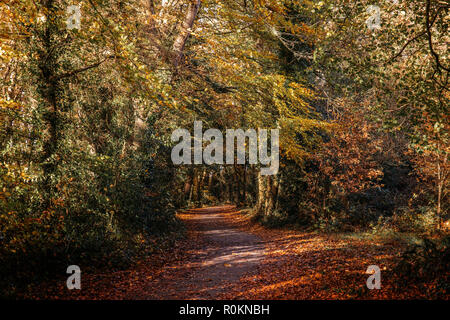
pixel 221 256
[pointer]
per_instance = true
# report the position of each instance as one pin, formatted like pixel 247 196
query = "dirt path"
pixel 224 254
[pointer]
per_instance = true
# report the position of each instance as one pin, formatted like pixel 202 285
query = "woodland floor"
pixel 226 256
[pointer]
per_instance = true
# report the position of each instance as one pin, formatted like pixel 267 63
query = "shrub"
pixel 427 262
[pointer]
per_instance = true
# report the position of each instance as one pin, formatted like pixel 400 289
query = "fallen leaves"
pixel 296 265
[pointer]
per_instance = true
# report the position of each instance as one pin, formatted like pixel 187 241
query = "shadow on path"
pixel 226 256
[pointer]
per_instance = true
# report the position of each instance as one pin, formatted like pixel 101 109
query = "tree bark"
pixel 244 187
pixel 270 195
pixel 186 30
pixel 277 191
pixel 188 185
pixel 49 92
pixel 261 192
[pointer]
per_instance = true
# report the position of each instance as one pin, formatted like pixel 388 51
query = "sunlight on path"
pixel 228 254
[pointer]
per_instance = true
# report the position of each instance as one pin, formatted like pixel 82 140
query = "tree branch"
pixel 414 38
pixel 74 72
pixel 439 66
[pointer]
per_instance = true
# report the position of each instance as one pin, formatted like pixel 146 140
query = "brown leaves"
pixel 302 265
pixel 296 265
pixel 348 158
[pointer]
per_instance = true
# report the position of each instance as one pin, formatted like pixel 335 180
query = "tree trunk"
pixel 244 187
pixel 188 185
pixel 261 192
pixel 49 94
pixel 441 177
pixel 278 191
pixel 237 183
pixel 193 188
pixel 186 29
pixel 270 195
pixel 201 182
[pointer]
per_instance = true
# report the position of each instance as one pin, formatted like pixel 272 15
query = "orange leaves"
pixel 348 158
pixel 298 265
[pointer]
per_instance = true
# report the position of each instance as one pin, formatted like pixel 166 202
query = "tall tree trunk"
pixel 237 183
pixel 201 180
pixel 49 91
pixel 441 179
pixel 261 192
pixel 192 196
pixel 244 187
pixel 210 181
pixel 278 191
pixel 186 30
pixel 230 188
pixel 188 185
pixel 269 196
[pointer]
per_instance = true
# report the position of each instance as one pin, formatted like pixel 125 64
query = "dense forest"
pixel 91 92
